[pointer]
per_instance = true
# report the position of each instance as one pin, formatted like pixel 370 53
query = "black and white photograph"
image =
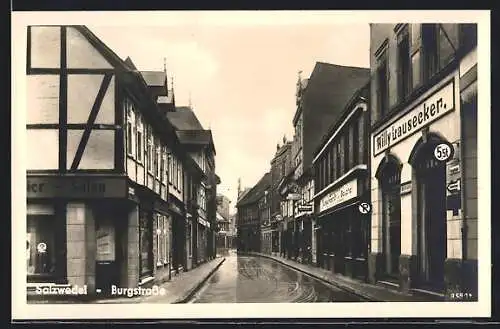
pixel 281 163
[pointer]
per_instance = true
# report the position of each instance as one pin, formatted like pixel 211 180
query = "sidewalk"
pixel 370 292
pixel 178 290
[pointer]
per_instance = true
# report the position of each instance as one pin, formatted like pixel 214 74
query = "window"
pixel 430 47
pixel 160 241
pixel 448 43
pixel 155 158
pixel 145 243
pixel 163 174
pixel 178 173
pixel 346 149
pixel 129 138
pixel 355 141
pixel 139 155
pixel 163 239
pixel 382 87
pixel 416 72
pixel 41 248
pixel 467 36
pixel 403 78
pixel 130 127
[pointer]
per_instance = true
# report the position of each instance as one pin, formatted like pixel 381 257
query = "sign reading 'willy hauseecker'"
pixel 76 187
pixel 434 107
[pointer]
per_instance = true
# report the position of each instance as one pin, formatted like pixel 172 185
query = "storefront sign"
pixel 429 110
pixel 293 196
pixel 339 195
pixel 406 188
pixel 203 222
pixel 76 187
pixel 304 208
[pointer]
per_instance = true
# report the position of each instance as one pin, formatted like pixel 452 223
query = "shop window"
pixel 146 243
pixel 403 68
pixel 41 242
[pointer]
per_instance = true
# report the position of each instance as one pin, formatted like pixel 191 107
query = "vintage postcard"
pixel 210 164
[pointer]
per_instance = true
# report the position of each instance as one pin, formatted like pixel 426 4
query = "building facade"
pixel 224 237
pixel 95 197
pixel 342 177
pixel 265 222
pixel 320 99
pixel 248 216
pixel 106 202
pixel 424 156
pixel 280 167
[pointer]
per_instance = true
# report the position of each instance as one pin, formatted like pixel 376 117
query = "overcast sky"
pixel 241 79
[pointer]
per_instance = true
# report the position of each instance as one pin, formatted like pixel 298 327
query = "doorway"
pixel 391 217
pixel 107 252
pixel 431 226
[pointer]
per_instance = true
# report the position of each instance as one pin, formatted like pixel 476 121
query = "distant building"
pixel 248 216
pixel 320 101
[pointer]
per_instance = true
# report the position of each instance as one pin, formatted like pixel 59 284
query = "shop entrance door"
pixel 391 219
pixel 432 220
pixel 107 270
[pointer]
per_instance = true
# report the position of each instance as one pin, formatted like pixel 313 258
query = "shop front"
pixel 203 231
pixel 179 228
pixel 343 227
pixel 75 229
pixel 417 217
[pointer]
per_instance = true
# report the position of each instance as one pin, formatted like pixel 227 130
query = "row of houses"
pixel 121 182
pixel 380 180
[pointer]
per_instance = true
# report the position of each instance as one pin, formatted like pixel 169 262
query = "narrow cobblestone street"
pixel 250 279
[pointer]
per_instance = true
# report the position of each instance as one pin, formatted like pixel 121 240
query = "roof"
pixel 329 89
pixel 221 218
pixel 257 191
pixel 130 64
pixel 184 118
pixel 362 93
pixel 202 137
pixel 154 78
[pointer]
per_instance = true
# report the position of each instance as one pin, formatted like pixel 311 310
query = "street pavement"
pixel 366 291
pixel 250 279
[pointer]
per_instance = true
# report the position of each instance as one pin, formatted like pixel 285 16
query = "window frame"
pixel 382 74
pixel 404 63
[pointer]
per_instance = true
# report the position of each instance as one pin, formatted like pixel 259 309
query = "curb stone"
pixel 356 292
pixel 193 290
